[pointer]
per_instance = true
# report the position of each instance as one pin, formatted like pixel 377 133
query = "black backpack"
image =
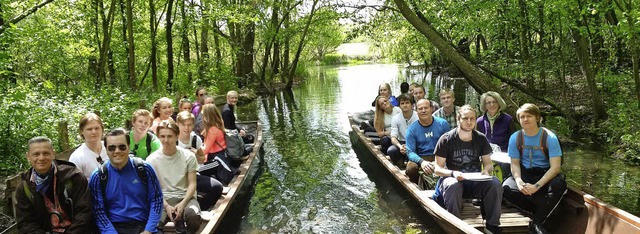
pixel 103 172
pixel 150 137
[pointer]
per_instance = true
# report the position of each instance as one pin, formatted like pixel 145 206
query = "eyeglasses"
pixel 112 148
pixel 491 103
pixel 202 94
pixel 467 119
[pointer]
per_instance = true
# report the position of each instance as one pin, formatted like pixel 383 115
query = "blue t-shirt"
pixel 422 140
pixel 126 198
pixel 532 155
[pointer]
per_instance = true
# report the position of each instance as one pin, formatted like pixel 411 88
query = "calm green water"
pixel 309 179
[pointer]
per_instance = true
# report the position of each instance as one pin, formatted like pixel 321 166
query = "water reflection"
pixel 313 181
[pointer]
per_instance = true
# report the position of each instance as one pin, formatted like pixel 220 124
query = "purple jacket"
pixel 196 109
pixel 502 129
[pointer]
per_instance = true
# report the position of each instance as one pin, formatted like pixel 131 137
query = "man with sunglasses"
pixel 53 196
pixel 122 202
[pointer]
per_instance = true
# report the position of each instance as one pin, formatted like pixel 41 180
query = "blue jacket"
pixel 126 200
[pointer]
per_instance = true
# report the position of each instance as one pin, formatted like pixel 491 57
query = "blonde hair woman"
pixel 162 110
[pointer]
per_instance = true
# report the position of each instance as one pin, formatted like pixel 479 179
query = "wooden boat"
pixel 211 218
pixel 231 191
pixel 579 212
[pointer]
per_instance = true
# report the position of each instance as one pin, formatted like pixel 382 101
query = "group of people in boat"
pixel 454 144
pixel 168 167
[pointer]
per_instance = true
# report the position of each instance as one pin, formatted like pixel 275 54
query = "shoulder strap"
pixel 520 143
pixel 194 141
pixel 149 138
pixel 140 169
pixel 68 186
pixel 543 143
pixel 103 172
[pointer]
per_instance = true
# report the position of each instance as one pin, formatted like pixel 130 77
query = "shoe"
pixel 536 228
pixel 493 229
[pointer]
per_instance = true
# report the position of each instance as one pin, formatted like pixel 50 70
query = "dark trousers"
pixel 542 203
pixel 385 143
pixel 454 191
pixel 395 155
pixel 210 189
pixel 129 227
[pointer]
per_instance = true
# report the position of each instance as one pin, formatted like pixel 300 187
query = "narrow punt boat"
pixel 214 216
pixel 579 212
pixel 211 218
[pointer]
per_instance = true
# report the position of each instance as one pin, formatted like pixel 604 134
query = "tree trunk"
pixel 478 80
pixel 107 27
pixel 292 69
pixel 123 16
pixel 168 29
pixel 154 45
pixel 131 47
pixel 524 44
pixel 204 43
pixel 582 50
pixel 286 52
pixel 186 51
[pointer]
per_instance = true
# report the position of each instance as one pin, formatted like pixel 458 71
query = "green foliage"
pixel 622 129
pixel 30 110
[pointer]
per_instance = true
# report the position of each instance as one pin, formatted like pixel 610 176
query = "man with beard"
pixel 459 153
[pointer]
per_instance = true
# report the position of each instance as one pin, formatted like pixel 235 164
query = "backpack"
pixel 150 137
pixel 194 142
pixel 235 145
pixel 543 144
pixel 138 163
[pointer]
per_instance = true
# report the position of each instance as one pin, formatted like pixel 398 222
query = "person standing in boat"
pixel 91 154
pixel 382 121
pixel 466 150
pixel 449 110
pixel 536 184
pixel 124 199
pixel 176 170
pixel 189 140
pixel 53 196
pixel 496 125
pixel 421 138
pixel 144 142
pixel 399 124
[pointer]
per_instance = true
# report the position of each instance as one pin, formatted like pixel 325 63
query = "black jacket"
pixel 31 213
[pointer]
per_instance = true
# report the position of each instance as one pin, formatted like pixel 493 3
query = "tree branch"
pixel 23 15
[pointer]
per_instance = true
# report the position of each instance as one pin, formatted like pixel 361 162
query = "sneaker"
pixel 181 227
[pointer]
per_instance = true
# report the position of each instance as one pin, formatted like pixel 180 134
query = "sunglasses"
pixel 112 148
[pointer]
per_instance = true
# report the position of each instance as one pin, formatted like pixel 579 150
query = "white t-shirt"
pixel 87 160
pixel 188 144
pixel 388 117
pixel 172 171
pixel 399 125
